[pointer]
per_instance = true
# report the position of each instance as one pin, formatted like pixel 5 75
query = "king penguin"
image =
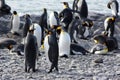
pixel 37 33
pixel 51 49
pixel 81 6
pixel 109 26
pixel 64 43
pixel 4 8
pixel 28 23
pixel 53 19
pixel 100 46
pixel 15 23
pixel 114 6
pixel 43 22
pixel 30 51
pixel 66 15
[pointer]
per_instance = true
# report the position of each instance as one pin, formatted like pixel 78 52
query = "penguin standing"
pixel 43 23
pixel 4 8
pixel 85 29
pixel 15 23
pixel 81 6
pixel 100 46
pixel 37 33
pixel 51 49
pixel 114 6
pixel 66 15
pixel 64 43
pixel 53 19
pixel 30 51
pixel 28 23
pixel 109 26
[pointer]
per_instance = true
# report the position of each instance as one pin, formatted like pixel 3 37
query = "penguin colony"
pixel 59 34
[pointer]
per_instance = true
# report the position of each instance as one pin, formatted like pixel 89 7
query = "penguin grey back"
pixel 30 52
pixel 27 24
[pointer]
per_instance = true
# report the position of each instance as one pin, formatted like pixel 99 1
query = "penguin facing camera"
pixel 109 26
pixel 64 43
pixel 51 49
pixel 15 23
pixel 66 15
pixel 114 6
pixel 30 51
pixel 100 46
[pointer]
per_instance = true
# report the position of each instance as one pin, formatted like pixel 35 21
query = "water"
pixel 36 6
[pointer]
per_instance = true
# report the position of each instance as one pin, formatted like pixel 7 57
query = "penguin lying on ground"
pixel 76 49
pixel 100 46
pixel 66 15
pixel 15 23
pixel 30 51
pixel 114 6
pixel 4 8
pixel 109 26
pixel 51 49
pixel 64 43
pixel 7 43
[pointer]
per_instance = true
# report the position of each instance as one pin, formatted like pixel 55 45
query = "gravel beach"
pixel 76 67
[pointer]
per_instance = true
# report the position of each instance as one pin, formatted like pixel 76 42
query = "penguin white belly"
pixel 38 33
pixel 0 4
pixel 15 24
pixel 105 24
pixel 46 48
pixel 86 33
pixel 114 12
pixel 64 44
pixel 52 19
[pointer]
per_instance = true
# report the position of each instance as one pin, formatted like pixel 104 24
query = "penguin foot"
pixel 49 71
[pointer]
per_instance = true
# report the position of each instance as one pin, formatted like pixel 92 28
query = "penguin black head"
pixel 99 39
pixel 44 9
pixel 66 5
pixel 10 47
pixel 87 22
pixel 27 16
pixel 111 19
pixel 14 12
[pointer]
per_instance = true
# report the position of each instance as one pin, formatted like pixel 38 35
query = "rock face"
pixel 76 67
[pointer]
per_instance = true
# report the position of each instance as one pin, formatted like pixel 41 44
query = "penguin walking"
pixel 66 15
pixel 30 51
pixel 51 49
pixel 109 26
pixel 64 43
pixel 100 46
pixel 81 6
pixel 37 33
pixel 53 19
pixel 114 6
pixel 28 23
pixel 15 23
